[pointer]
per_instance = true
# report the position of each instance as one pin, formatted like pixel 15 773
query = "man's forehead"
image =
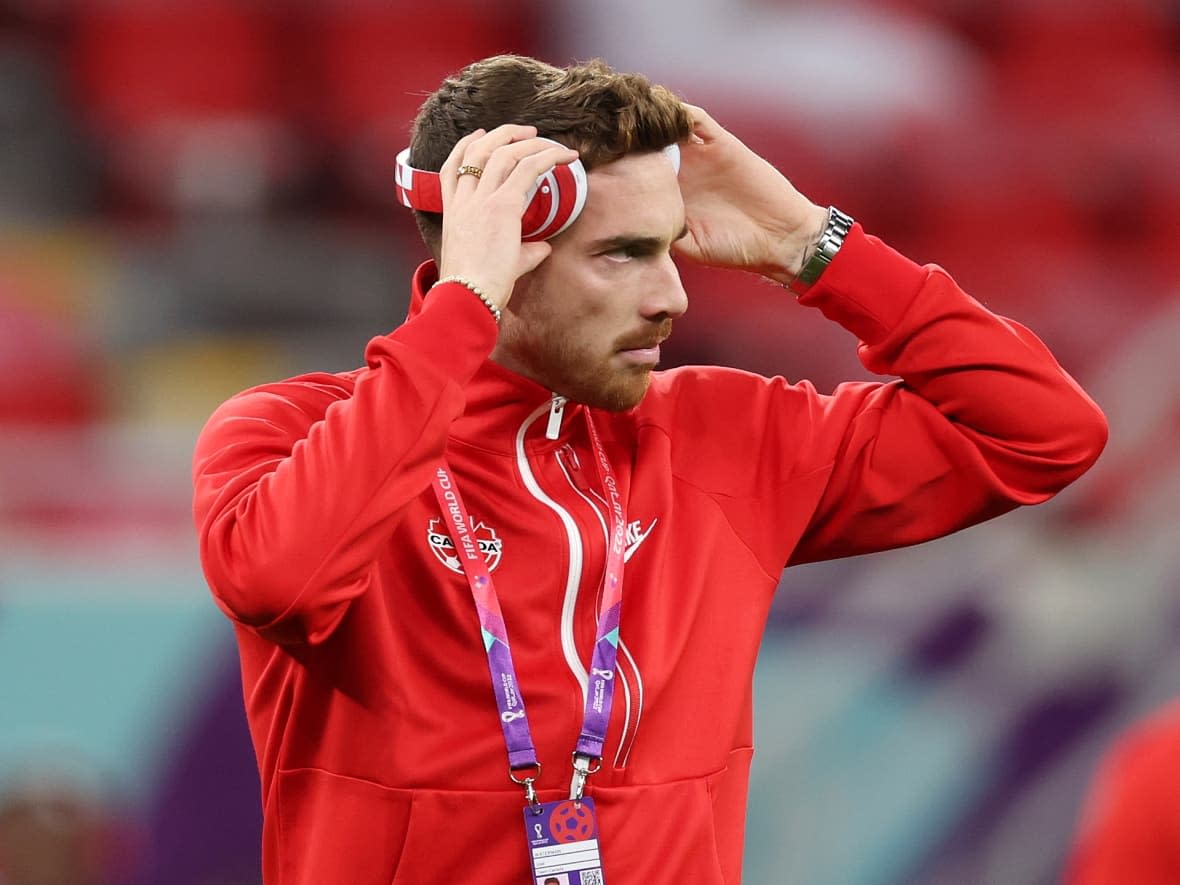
pixel 637 195
pixel 651 166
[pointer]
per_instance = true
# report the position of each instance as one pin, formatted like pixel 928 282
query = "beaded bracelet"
pixel 479 293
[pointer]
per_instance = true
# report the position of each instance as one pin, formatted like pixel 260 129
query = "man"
pixel 621 531
pixel 1130 826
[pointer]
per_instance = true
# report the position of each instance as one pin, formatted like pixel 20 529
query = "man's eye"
pixel 626 253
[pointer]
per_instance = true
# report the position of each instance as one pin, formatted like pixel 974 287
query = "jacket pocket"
pixel 660 834
pixel 329 824
pixel 728 792
pixel 655 834
pixel 333 828
pixel 466 836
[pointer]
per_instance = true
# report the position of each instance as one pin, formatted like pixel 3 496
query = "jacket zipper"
pixel 556 410
pixel 574 576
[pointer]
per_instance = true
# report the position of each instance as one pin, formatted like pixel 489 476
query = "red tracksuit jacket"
pixel 365 679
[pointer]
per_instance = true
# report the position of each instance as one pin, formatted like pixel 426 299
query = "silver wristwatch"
pixel 830 241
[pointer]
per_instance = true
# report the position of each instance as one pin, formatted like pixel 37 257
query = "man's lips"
pixel 642 352
pixel 643 348
pixel 645 343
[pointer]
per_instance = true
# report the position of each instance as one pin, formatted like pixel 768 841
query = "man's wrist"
pixel 475 290
pixel 816 259
pixel 792 251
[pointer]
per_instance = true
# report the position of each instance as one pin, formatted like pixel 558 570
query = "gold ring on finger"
pixel 470 170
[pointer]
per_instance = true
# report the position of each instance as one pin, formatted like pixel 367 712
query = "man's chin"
pixel 616 395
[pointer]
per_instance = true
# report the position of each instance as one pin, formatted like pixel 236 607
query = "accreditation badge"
pixel 563 843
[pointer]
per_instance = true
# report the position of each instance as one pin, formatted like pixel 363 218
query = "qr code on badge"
pixel 592 877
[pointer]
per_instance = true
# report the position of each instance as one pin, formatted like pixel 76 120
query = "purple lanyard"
pixel 600 693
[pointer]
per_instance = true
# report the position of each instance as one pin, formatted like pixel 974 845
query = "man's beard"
pixel 555 356
pixel 570 369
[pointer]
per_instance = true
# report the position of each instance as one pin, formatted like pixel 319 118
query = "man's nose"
pixel 667 296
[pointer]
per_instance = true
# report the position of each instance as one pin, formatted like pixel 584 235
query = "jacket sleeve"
pixel 980 419
pixel 983 418
pixel 298 484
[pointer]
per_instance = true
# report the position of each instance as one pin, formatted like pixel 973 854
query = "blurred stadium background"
pixel 197 196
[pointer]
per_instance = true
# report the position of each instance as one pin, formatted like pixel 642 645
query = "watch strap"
pixel 830 241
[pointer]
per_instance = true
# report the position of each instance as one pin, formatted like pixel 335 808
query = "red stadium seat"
pixel 47 374
pixel 373 62
pixel 182 96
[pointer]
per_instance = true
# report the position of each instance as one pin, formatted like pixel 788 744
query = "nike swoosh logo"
pixel 627 554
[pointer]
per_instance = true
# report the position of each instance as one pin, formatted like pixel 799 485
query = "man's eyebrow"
pixel 641 242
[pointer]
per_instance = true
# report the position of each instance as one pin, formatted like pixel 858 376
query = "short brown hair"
pixel 601 113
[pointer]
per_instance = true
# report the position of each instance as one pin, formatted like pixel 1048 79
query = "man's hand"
pixel 482 213
pixel 742 212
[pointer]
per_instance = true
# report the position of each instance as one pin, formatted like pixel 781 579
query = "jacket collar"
pixel 499 401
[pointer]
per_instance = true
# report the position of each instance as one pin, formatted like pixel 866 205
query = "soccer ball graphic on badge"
pixel 571 822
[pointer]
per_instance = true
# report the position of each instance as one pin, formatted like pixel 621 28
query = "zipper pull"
pixel 573 466
pixel 556 410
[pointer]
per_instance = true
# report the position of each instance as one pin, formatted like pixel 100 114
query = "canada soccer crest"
pixel 443 547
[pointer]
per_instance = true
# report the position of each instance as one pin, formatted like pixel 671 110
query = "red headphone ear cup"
pixel 540 209
pixel 555 202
